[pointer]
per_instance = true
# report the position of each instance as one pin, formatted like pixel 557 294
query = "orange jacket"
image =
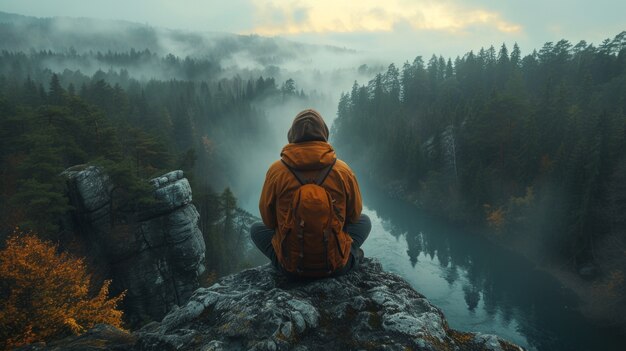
pixel 280 183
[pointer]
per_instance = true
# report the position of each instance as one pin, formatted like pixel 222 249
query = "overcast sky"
pixel 397 28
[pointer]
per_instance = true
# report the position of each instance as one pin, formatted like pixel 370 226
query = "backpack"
pixel 311 241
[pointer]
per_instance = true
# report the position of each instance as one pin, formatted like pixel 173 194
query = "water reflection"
pixel 479 286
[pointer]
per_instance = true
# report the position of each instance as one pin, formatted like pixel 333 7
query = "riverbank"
pixel 599 297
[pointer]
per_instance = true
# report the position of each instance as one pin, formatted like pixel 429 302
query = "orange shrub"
pixel 45 294
pixel 495 217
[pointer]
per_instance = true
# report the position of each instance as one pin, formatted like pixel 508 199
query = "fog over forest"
pixel 516 146
pixel 245 89
pixel 146 53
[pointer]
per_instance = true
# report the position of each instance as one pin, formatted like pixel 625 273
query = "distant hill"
pixel 67 34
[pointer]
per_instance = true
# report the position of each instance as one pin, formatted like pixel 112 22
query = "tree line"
pixel 136 129
pixel 529 145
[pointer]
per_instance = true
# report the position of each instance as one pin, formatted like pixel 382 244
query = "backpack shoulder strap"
pixel 295 173
pixel 321 177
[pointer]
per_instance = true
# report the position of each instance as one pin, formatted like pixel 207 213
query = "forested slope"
pixel 135 128
pixel 530 145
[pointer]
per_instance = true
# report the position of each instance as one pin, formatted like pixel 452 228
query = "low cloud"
pixel 281 17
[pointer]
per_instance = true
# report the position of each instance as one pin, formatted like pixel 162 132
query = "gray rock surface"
pixel 155 253
pixel 258 309
pixel 99 338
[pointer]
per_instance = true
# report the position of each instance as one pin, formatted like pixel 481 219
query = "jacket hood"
pixel 308 126
pixel 308 155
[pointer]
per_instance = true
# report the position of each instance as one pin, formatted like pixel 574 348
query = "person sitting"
pixel 310 206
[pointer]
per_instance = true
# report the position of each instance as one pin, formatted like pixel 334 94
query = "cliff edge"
pixel 258 309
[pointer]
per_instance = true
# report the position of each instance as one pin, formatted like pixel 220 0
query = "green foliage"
pixel 136 191
pixel 134 129
pixel 225 228
pixel 44 136
pixel 493 125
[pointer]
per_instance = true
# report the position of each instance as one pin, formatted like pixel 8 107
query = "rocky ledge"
pixel 155 253
pixel 258 309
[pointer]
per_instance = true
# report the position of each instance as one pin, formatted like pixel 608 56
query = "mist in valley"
pixel 518 147
pixel 131 51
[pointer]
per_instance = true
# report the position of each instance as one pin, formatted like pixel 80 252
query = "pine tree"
pixel 57 93
pixel 40 191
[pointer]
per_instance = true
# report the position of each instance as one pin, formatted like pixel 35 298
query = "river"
pixel 480 286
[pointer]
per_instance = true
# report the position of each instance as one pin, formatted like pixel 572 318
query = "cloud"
pixel 283 17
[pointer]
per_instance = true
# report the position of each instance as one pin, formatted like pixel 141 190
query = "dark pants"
pixel 359 231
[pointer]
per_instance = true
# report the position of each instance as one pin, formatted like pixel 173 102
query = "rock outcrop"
pixel 259 309
pixel 155 253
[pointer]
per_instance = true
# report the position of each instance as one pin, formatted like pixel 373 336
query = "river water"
pixel 479 286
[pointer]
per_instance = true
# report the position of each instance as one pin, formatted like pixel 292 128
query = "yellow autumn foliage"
pixel 45 294
pixel 496 217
